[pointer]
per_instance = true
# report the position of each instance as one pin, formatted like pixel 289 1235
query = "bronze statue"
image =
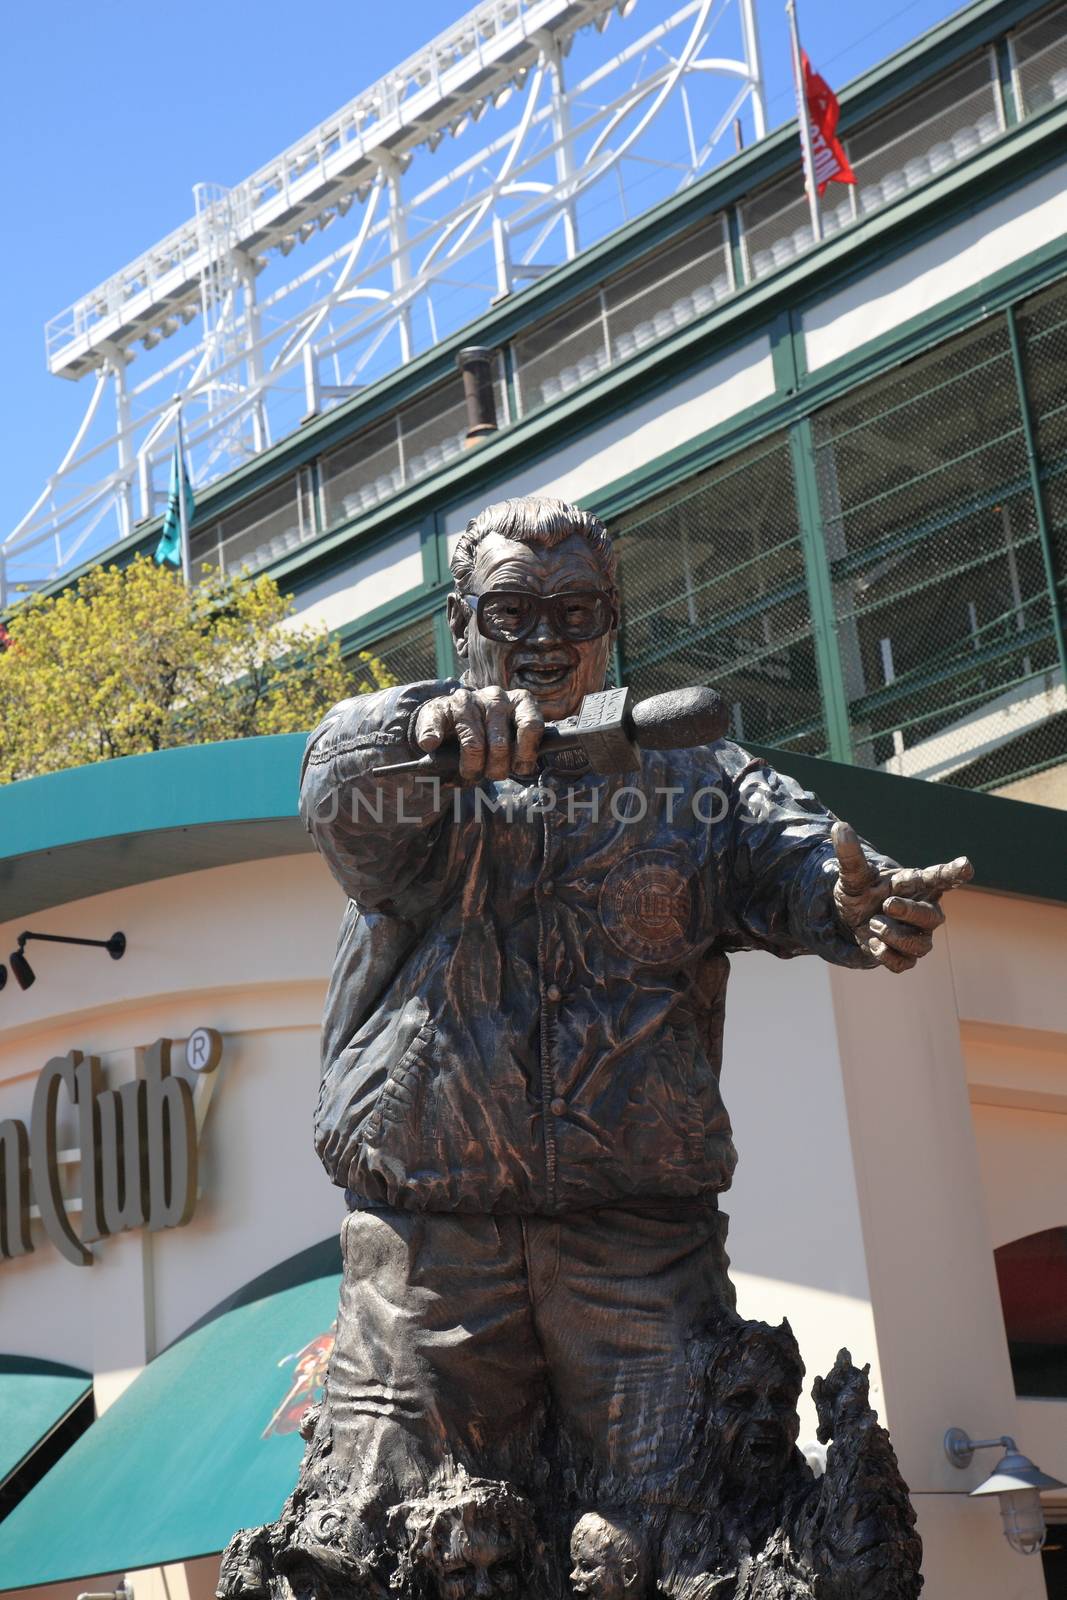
pixel 521 1080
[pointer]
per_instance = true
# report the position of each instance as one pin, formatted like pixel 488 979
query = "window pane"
pixel 776 222
pixel 434 429
pixel 399 450
pixel 361 473
pixel 1032 1274
pixel 1040 51
pixel 925 134
pixel 639 306
pixel 261 530
pixel 899 150
pixel 1042 324
pixel 714 592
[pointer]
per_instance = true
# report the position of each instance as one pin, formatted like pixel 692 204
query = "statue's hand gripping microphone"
pixel 610 729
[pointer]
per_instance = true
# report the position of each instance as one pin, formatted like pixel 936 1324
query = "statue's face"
pixel 754 1413
pixel 558 672
pixel 482 1561
pixel 599 1567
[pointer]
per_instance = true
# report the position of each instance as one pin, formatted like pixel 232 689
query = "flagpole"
pixel 804 118
pixel 183 514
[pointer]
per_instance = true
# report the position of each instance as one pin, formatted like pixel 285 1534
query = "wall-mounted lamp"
pixel 24 973
pixel 1015 1481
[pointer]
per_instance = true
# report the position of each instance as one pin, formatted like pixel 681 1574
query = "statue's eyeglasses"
pixel 508 615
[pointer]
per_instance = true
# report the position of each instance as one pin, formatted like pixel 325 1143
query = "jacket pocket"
pixel 397 1112
pixel 660 1128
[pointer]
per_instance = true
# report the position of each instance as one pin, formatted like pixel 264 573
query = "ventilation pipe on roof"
pixel 475 363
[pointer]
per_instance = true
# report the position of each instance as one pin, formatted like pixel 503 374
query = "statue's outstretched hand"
pixel 892 914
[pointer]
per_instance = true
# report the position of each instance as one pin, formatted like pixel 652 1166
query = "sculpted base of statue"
pixel 756 1522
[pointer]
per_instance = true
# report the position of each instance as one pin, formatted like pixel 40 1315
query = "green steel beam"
pixel 820 592
pixel 1037 490
pixel 736 249
pixel 442 639
pixel 434 554
pixel 1012 112
pixel 787 344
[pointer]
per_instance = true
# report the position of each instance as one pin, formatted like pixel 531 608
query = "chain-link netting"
pixel 1042 325
pixel 1039 57
pixel 407 655
pixel 262 530
pixel 387 456
pixel 400 450
pixel 714 592
pixel 926 133
pixel 944 621
pixel 899 150
pixel 633 309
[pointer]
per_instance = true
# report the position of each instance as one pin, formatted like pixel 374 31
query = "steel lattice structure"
pixel 422 245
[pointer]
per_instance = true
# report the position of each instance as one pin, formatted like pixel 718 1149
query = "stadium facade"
pixel 837 472
pixel 838 477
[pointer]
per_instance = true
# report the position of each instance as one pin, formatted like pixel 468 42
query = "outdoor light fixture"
pixel 1015 1481
pixel 24 973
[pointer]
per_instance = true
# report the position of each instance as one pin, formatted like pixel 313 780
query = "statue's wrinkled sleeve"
pixel 378 835
pixel 782 867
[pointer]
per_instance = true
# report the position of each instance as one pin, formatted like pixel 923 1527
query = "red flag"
pixel 828 153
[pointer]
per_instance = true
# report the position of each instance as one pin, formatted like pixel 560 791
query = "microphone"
pixel 611 729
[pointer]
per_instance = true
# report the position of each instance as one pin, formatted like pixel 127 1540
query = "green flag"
pixel 169 547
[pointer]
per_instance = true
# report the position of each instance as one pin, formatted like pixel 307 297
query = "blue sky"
pixel 112 110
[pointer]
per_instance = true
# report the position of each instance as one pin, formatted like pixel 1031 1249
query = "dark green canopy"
pixel 35 1397
pixel 204 1442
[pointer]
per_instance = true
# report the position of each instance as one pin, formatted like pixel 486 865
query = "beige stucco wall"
pixel 865 1208
pixel 244 949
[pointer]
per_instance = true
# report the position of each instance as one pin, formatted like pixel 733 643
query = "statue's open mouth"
pixel 540 675
pixel 763 1447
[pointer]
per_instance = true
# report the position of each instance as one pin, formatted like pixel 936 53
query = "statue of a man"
pixel 523 1032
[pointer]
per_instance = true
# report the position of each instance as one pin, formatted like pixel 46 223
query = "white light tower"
pixel 577 138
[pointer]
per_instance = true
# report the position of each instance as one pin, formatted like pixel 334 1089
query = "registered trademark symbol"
pixel 203 1050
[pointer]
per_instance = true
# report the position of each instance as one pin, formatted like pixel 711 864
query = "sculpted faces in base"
pixel 520 1098
pixel 471 1539
pixel 754 1386
pixel 610 1561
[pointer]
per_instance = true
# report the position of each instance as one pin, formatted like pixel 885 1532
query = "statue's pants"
pixel 453 1329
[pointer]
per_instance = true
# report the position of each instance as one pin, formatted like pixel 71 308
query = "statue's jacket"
pixel 526 1009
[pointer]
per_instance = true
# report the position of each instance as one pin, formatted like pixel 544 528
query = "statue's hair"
pixel 776 1347
pixel 532 519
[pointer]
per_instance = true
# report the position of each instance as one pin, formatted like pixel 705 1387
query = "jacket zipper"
pixel 548 1025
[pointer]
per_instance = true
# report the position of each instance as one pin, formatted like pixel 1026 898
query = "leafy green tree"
pixel 128 660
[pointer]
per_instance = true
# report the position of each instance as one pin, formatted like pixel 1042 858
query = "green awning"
pixel 204 1442
pixel 35 1397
